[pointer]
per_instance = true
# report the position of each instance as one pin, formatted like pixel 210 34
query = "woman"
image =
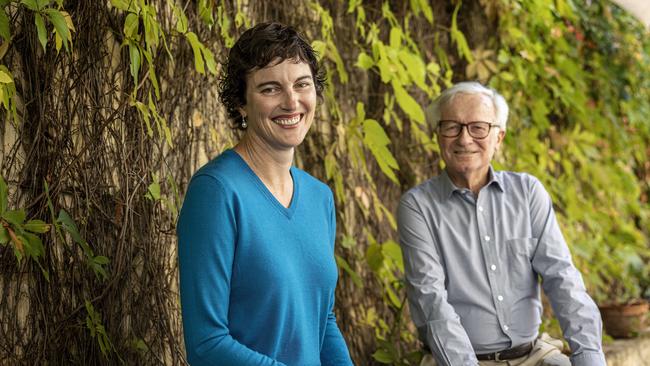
pixel 256 235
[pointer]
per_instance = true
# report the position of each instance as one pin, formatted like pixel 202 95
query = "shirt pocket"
pixel 520 268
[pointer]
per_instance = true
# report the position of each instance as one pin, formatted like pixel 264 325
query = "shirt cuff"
pixel 588 359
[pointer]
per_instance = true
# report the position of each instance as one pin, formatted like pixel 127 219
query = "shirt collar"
pixel 448 187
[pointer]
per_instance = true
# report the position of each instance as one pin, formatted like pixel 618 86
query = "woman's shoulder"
pixel 222 169
pixel 309 182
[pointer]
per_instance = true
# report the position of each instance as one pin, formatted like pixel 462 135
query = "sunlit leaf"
pixel 131 25
pixel 375 138
pixel 408 104
pixel 364 61
pixel 196 45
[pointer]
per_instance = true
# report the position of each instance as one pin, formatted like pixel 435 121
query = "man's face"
pixel 467 157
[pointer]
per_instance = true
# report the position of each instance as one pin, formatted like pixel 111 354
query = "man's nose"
pixel 464 137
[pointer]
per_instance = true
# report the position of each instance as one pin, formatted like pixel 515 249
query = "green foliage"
pixel 20 233
pixel 97 330
pixel 63 223
pixel 571 128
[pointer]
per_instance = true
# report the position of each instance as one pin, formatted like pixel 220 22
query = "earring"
pixel 243 122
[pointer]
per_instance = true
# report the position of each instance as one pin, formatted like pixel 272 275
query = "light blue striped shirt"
pixel 473 266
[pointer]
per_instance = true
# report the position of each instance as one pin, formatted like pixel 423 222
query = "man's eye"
pixel 303 84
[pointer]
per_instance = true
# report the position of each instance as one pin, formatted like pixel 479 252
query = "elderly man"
pixel 475 243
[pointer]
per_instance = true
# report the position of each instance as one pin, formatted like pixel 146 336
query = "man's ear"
pixel 500 137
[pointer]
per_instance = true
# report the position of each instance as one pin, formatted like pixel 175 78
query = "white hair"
pixel 469 87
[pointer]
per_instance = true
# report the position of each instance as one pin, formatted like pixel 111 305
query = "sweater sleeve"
pixel 334 351
pixel 206 246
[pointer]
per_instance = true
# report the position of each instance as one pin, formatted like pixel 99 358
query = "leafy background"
pixel 109 106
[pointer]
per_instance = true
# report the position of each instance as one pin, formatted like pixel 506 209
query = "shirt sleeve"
pixel 206 245
pixel 576 311
pixel 334 351
pixel 437 322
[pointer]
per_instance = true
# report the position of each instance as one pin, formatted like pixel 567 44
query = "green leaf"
pixel 374 257
pixel 458 37
pixel 348 242
pixel 153 192
pixel 101 260
pixel 205 12
pixel 131 26
pixel 364 61
pixel 60 25
pixel 30 4
pixel 395 38
pixel 196 48
pixel 3 195
pixel 40 28
pixel 181 19
pixel 408 104
pixel 33 246
pixel 383 356
pixel 4 235
pixel 15 217
pixel 5 32
pixel 343 264
pixel 121 4
pixel 42 3
pixel 135 57
pixel 209 60
pixel 319 47
pixel 392 250
pixel 415 67
pixel 37 226
pixel 69 225
pixel 375 138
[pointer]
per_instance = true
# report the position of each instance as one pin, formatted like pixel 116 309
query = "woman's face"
pixel 280 104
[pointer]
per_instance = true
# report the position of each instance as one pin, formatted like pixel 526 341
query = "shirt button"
pixel 500 298
pixel 493 267
pixel 505 327
pixel 480 208
pixel 487 238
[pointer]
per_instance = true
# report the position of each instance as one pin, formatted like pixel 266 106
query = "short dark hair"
pixel 255 49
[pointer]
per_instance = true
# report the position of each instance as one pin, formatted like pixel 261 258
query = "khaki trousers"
pixel 547 351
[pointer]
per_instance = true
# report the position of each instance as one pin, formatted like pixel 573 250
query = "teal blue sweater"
pixel 257 279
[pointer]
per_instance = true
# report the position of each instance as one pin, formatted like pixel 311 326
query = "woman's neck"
pixel 271 166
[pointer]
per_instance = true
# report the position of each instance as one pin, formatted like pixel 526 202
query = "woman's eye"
pixel 304 85
pixel 269 90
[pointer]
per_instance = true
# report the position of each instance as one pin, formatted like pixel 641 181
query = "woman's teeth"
pixel 287 121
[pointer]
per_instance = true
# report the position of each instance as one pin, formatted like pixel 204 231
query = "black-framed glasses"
pixel 476 129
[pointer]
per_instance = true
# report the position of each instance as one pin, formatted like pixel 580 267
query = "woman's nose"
pixel 290 101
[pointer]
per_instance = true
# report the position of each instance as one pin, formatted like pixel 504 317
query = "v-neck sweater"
pixel 257 279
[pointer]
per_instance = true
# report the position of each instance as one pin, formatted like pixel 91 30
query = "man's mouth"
pixel 287 120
